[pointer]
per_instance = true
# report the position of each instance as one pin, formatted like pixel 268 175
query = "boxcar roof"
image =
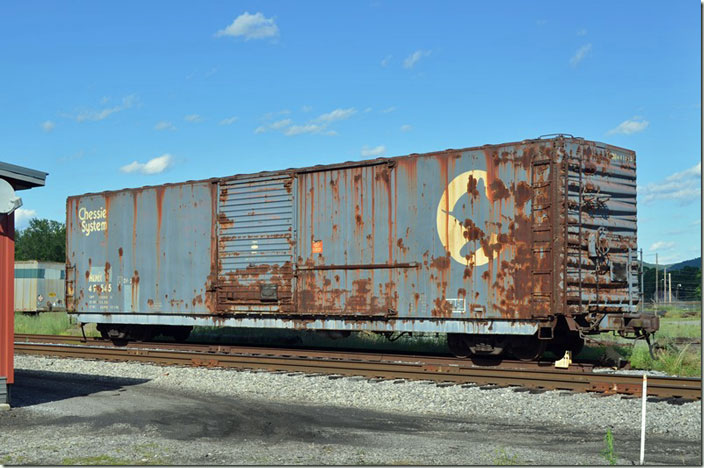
pixel 366 162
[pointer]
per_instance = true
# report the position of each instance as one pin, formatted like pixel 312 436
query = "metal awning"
pixel 22 178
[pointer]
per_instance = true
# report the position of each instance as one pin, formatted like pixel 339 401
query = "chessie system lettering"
pixel 93 220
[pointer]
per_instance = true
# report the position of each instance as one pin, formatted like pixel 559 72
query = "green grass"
pixel 50 323
pixel 502 458
pixel 608 453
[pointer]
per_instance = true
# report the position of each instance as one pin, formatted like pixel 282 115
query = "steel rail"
pixel 532 375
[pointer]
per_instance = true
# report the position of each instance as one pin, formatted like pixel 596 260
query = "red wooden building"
pixel 12 179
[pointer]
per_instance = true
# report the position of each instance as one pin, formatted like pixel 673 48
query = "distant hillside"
pixel 695 262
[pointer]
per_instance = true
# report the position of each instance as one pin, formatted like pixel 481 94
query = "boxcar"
pixel 509 247
pixel 39 286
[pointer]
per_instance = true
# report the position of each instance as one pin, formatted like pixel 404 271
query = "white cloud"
pixel 271 115
pixel 582 32
pixel 96 115
pixel 628 127
pixel 376 151
pixel 228 121
pixel 300 129
pixel 193 118
pixel 412 59
pixel 22 216
pixel 306 108
pixel 48 126
pixel 406 128
pixel 388 110
pixel 683 186
pixel 153 166
pixel 279 124
pixel 662 245
pixel 385 61
pixel 337 114
pixel 319 124
pixel 580 54
pixel 255 26
pixel 164 125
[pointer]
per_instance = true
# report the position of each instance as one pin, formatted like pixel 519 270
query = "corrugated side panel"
pixel 602 265
pixel 142 251
pixel 255 247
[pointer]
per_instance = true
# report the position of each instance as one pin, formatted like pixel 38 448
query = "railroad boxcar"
pixel 39 286
pixel 505 248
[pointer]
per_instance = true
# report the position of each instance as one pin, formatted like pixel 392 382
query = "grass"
pixel 502 458
pixel 608 452
pixel 51 323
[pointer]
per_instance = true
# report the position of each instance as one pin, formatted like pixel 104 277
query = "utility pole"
pixel 657 296
pixel 664 285
pixel 669 287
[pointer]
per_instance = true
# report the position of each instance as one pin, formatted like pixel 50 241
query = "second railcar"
pixel 514 247
pixel 39 286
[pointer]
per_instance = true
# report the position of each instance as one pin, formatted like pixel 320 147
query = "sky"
pixel 111 95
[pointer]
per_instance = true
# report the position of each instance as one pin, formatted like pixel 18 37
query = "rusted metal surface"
pixel 601 237
pixel 543 375
pixel 147 250
pixel 255 242
pixel 498 239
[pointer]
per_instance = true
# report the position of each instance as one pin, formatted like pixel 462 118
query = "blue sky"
pixel 112 95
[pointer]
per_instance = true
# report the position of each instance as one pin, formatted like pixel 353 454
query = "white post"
pixel 642 423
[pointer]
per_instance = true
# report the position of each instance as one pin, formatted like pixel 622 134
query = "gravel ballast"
pixel 554 411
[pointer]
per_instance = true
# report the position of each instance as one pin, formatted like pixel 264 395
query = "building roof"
pixel 22 178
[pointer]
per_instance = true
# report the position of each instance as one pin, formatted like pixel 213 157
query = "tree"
pixel 44 240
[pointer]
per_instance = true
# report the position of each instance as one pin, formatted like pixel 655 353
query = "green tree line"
pixel 43 240
pixel 686 284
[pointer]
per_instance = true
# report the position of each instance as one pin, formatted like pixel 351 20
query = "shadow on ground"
pixel 37 387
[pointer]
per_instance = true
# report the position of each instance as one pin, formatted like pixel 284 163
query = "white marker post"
pixel 642 423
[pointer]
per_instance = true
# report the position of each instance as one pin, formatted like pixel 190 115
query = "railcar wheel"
pixel 527 348
pixel 102 328
pixel 457 345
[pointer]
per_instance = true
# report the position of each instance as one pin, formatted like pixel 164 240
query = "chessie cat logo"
pixel 93 220
pixel 450 229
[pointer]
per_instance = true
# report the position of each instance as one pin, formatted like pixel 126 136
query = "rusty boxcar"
pixel 505 248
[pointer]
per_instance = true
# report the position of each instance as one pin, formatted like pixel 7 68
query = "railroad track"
pixel 531 375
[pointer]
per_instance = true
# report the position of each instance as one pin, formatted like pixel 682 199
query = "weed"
pixel 608 452
pixel 502 458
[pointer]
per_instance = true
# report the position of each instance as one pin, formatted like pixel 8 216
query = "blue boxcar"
pixel 493 240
